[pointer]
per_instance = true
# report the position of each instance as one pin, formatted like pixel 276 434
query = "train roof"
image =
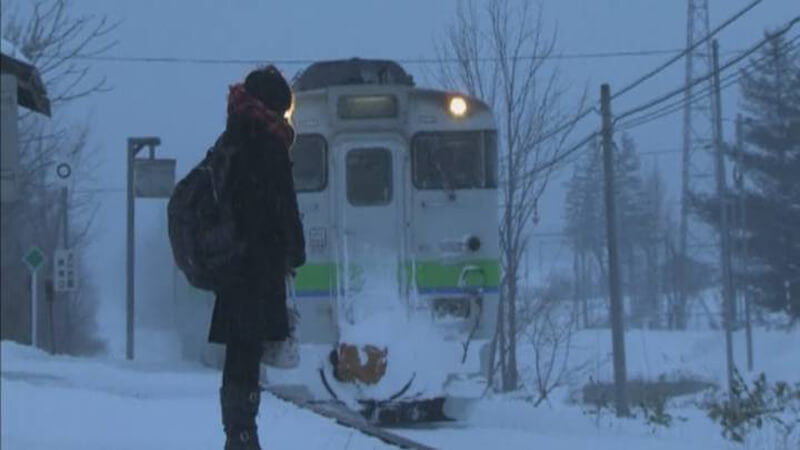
pixel 348 72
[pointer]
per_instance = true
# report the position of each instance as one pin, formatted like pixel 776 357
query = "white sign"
pixel 154 178
pixel 65 270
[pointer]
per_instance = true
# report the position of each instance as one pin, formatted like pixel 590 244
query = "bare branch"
pixel 527 98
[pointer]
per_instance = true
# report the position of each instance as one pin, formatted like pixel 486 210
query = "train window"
pixel 454 160
pixel 310 163
pixel 490 154
pixel 369 176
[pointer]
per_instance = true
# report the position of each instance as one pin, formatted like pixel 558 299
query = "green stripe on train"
pixel 315 277
pixel 430 275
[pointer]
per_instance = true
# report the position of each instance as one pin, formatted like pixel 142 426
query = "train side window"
pixel 369 176
pixel 454 160
pixel 490 154
pixel 310 163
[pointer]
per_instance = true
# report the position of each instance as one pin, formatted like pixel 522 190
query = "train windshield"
pixel 455 160
pixel 310 165
pixel 369 176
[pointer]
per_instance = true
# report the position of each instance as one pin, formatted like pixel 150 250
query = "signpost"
pixel 34 259
pixel 147 178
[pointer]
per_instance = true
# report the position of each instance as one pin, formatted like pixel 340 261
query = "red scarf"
pixel 242 104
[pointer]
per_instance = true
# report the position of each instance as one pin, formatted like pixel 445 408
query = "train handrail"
pixel 467 269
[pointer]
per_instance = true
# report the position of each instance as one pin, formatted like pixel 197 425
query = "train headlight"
pixel 289 112
pixel 458 106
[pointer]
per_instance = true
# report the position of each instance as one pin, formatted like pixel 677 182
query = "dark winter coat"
pixel 253 172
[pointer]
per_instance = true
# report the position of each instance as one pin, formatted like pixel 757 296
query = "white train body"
pixel 389 178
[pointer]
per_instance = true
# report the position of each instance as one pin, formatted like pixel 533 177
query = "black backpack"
pixel 201 229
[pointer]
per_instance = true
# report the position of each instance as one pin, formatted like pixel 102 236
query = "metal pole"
pixel 744 256
pixel 34 312
pixel 65 241
pixel 67 295
pixel 48 292
pixel 129 288
pixel 616 312
pixel 725 254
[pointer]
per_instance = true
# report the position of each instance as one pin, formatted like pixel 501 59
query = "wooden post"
pixel 616 311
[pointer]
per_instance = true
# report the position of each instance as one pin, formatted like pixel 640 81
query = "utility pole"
pixel 744 257
pixel 722 195
pixel 616 311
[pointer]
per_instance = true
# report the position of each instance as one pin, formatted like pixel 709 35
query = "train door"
pixel 370 231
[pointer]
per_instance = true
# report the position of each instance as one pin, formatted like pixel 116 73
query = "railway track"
pixel 342 416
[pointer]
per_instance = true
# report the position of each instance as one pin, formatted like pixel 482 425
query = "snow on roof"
pixel 9 49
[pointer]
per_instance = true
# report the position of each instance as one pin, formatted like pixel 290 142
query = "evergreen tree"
pixel 585 227
pixel 653 224
pixel 585 220
pixel 630 212
pixel 770 162
pixel 585 223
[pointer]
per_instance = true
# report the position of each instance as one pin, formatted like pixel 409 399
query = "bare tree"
pixel 56 42
pixel 500 53
pixel 550 322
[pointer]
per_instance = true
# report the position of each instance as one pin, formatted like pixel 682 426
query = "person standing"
pixel 252 172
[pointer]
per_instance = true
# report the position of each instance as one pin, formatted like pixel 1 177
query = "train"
pixel 397 190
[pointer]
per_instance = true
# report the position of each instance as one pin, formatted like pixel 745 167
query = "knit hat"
pixel 268 86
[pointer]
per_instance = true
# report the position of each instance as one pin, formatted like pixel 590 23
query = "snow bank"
pixel 509 422
pixel 513 424
pixel 651 354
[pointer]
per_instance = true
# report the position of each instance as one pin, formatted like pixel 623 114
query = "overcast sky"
pixel 183 103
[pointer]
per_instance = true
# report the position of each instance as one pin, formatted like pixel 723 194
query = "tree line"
pixel 764 200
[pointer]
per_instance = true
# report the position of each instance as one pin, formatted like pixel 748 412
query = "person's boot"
pixel 239 409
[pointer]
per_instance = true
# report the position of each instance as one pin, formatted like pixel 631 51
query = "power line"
pixel 703 94
pixel 676 106
pixel 663 98
pixel 564 155
pixel 409 61
pixel 676 58
pixel 586 112
pixel 697 96
pixel 707 76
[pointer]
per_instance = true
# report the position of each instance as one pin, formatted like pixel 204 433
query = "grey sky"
pixel 184 103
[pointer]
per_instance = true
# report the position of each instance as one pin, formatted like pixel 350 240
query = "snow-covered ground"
pixel 59 402
pixel 69 403
pixel 517 423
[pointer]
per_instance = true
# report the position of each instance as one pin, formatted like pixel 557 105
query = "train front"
pixel 397 188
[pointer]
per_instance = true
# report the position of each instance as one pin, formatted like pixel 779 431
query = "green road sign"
pixel 34 259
